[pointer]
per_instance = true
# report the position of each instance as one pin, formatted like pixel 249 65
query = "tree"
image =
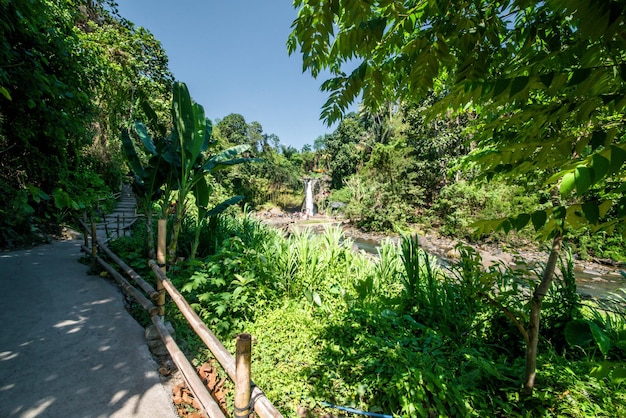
pixel 71 73
pixel 234 129
pixel 345 146
pixel 182 163
pixel 44 104
pixel 547 80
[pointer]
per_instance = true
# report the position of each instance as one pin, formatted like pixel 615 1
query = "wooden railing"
pixel 248 397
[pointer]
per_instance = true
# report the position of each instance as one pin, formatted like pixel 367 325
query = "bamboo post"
pixel 161 245
pixel 94 241
pixel 118 226
pixel 124 222
pixel 242 381
pixel 85 229
pixel 106 225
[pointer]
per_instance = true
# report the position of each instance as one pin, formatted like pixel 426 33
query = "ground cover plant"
pixel 399 334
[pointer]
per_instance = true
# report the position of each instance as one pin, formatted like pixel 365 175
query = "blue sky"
pixel 232 55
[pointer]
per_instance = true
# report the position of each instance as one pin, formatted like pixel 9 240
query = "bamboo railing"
pixel 248 397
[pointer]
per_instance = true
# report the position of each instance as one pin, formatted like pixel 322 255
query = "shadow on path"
pixel 68 348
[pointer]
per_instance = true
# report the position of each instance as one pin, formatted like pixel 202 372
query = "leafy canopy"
pixel 546 79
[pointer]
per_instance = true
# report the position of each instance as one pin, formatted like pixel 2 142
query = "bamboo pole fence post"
pixel 118 226
pixel 106 224
pixel 123 223
pixel 161 245
pixel 242 381
pixel 94 242
pixel 85 230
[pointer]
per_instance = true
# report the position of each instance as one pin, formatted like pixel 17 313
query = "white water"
pixel 308 199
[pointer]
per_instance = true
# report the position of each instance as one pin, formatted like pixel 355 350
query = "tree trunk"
pixel 535 314
pixel 178 222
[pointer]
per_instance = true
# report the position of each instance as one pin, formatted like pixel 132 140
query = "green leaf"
pixel 62 199
pixel 501 86
pixel 225 205
pixel 131 154
pixel 147 141
pixel 591 211
pixel 317 299
pixel 567 183
pixel 539 219
pixel 237 291
pixel 578 76
pixel 600 167
pixel 506 226
pixel 621 207
pixel 546 79
pixel 201 193
pixel 618 156
pixel 5 93
pixel 598 139
pixel 518 84
pixel 559 212
pixel 582 179
pixel 521 221
pixel 578 333
pixel 153 119
pixel 604 207
pixel 184 121
pixel 601 339
pixel 222 157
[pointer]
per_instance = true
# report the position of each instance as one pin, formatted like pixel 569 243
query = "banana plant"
pixel 179 163
pixel 202 193
pixel 149 178
pixel 191 134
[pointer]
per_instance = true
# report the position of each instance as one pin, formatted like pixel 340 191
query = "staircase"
pixel 117 224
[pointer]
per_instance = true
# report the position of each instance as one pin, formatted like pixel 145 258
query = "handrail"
pixel 211 408
pixel 206 402
pixel 145 286
pixel 258 401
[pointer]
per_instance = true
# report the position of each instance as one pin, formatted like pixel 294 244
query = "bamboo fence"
pixel 248 397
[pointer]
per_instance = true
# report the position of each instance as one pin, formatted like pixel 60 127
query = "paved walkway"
pixel 68 348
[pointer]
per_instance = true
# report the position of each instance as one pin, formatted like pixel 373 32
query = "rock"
pixel 157 348
pixel 151 332
pixel 453 254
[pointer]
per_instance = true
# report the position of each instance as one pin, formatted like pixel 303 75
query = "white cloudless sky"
pixel 232 55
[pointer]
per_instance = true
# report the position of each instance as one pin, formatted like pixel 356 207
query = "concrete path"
pixel 68 348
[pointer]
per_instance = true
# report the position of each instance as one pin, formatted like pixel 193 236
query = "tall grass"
pixel 389 335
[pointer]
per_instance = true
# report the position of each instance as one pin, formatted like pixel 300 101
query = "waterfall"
pixel 308 197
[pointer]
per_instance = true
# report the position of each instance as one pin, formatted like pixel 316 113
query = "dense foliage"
pixel 544 83
pixel 398 334
pixel 445 107
pixel 70 75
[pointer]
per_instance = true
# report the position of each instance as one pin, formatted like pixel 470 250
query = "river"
pixel 593 281
pixel 590 283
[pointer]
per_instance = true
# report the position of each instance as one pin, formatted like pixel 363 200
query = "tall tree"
pixel 547 79
pixel 44 104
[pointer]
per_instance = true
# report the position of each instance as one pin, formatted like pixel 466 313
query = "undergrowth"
pixel 398 334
